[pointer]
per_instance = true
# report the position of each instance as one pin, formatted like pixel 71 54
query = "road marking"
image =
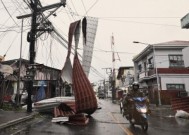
pixel 126 130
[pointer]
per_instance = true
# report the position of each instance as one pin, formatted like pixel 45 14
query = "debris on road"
pixel 65 113
pixel 182 114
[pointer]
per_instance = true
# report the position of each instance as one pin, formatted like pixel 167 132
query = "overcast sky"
pixel 149 21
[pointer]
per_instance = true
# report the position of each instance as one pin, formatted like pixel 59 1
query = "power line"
pixel 92 6
pixel 71 13
pixel 100 50
pixel 141 22
pixel 84 7
pixel 139 17
pixel 114 19
pixel 74 6
pixel 11 45
pixel 8 12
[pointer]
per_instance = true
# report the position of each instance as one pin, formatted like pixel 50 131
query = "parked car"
pixel 22 97
pixel 101 95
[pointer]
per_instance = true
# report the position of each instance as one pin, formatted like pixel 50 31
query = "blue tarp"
pixel 40 93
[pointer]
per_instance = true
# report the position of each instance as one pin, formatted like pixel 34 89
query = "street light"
pixel 156 71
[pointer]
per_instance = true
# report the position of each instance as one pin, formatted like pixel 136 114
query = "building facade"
pixel 125 78
pixel 160 68
pixel 43 75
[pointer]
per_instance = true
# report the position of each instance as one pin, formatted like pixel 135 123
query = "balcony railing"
pixel 151 72
pixel 143 74
pixel 146 74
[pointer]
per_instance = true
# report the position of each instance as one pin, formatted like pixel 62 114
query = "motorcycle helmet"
pixel 135 86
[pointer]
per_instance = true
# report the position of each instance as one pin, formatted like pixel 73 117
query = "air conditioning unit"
pixel 150 66
pixel 182 94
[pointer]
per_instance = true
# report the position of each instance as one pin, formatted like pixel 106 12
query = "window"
pixel 150 63
pixel 145 66
pixel 176 61
pixel 139 68
pixel 150 60
pixel 175 87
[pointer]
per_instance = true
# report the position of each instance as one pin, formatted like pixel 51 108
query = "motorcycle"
pixel 138 112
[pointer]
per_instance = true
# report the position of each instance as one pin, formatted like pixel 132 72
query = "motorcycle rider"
pixel 133 92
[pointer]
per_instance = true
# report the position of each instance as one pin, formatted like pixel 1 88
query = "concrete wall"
pixel 162 57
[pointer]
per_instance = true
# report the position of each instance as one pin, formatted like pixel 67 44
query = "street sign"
pixel 185 56
pixel 185 21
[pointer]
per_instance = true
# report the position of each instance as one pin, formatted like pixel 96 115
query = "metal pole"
pixel 104 88
pixel 157 76
pixel 18 83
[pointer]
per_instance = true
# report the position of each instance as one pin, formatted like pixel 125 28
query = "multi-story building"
pixel 125 78
pixel 160 68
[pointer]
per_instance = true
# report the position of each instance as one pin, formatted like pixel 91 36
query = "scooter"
pixel 138 112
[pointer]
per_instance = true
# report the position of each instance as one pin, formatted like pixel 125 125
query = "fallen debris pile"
pixel 182 114
pixel 65 113
pixel 63 110
pixel 47 105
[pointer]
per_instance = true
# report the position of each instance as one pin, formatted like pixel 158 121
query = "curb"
pixel 17 121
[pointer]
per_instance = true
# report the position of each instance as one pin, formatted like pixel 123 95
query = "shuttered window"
pixel 176 61
pixel 175 87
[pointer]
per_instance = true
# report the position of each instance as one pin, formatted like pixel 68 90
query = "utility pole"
pixel 113 70
pixel 108 71
pixel 18 83
pixel 31 38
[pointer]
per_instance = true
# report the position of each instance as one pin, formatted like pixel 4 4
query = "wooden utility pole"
pixel 31 38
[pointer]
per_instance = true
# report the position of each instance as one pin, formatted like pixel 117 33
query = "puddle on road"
pixel 170 116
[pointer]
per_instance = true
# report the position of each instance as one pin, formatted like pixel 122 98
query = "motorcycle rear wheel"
pixel 130 121
pixel 144 126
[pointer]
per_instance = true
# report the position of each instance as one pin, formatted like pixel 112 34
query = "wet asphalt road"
pixel 106 121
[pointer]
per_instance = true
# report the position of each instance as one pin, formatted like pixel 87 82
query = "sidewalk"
pixel 163 110
pixel 10 118
pixel 161 107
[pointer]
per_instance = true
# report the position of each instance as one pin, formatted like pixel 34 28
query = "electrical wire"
pixel 139 17
pixel 93 69
pixel 74 6
pixel 84 7
pixel 124 21
pixel 8 12
pixel 92 6
pixel 11 45
pixel 71 13
pixel 104 51
pixel 140 22
pixel 72 17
